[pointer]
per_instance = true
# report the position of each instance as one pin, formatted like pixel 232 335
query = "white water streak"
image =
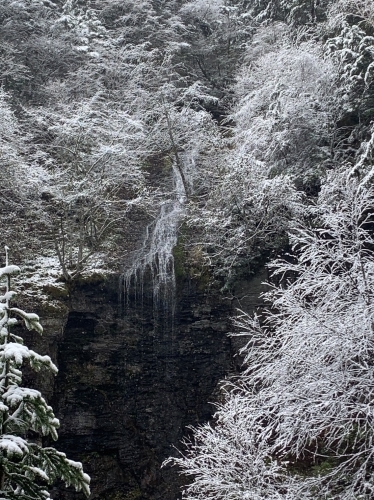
pixel 156 254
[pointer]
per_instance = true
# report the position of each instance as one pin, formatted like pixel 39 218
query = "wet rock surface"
pixel 131 380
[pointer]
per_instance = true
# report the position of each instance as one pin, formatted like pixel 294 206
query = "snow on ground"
pixel 40 279
pixel 41 282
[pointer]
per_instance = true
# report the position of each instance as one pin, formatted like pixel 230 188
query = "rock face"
pixel 129 384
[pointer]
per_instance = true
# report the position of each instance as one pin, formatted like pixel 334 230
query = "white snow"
pixel 39 472
pixel 9 271
pixel 19 352
pixel 13 445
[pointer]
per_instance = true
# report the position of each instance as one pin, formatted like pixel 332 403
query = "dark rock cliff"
pixel 130 384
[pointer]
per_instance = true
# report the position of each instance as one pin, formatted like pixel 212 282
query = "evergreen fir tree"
pixel 26 467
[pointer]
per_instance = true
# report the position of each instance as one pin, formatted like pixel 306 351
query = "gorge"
pixel 160 161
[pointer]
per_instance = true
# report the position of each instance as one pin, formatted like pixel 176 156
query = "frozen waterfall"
pixel 155 257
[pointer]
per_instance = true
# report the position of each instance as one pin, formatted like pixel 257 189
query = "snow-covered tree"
pixel 350 28
pixel 10 144
pixel 298 423
pixel 27 468
pixel 17 196
pixel 296 12
pixel 285 107
pixel 216 34
pixel 92 174
pixel 245 218
pixel 281 139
